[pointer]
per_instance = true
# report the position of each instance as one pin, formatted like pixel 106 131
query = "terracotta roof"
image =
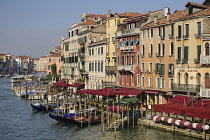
pixel 58 47
pixel 43 57
pixel 195 4
pixel 58 54
pixel 88 22
pixel 129 14
pixel 96 16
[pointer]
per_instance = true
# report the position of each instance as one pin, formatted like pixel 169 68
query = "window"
pixel 158 50
pixel 162 83
pixel 131 42
pixel 123 76
pixel 185 53
pixel 151 32
pixel 198 52
pixel 123 59
pixel 127 59
pixel 186 30
pixel 150 82
pixel 159 31
pixel 142 50
pixel 138 80
pixel 170 69
pixel 99 66
pixel 179 31
pixel 137 41
pixel 102 50
pixel 158 82
pixel 49 59
pixel 142 81
pixel 172 49
pixel 138 59
pixel 142 67
pixel 95 66
pixel 207 49
pixel 102 66
pixel 199 28
pixel 157 67
pixel 127 79
pixel 132 76
pixel 132 59
pixel 172 30
pixel 162 68
pixel 89 52
pixel 92 51
pixel 179 54
pixel 171 83
pixel 89 66
pixel 150 67
pixel 151 49
pixel 147 33
pixel 99 51
pixel 163 49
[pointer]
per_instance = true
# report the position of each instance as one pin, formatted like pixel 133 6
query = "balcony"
pixel 110 69
pixel 178 38
pixel 127 32
pixel 162 37
pixel 178 61
pixel 186 37
pixel 82 70
pixel 185 87
pixel 184 61
pixel 126 48
pixel 205 60
pixel 108 84
pixel 107 40
pixel 196 60
pixel 198 35
pixel 171 36
pixel 125 68
pixel 205 92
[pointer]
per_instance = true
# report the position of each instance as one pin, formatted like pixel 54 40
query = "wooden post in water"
pixel 133 116
pixel 123 118
pixel 128 115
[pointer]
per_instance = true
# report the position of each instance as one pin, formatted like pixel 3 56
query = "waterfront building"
pixel 36 64
pixel 73 46
pixel 190 69
pixel 43 61
pixel 111 60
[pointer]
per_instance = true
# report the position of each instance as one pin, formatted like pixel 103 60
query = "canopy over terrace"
pixel 111 92
pixel 199 109
pixel 61 83
pixel 76 85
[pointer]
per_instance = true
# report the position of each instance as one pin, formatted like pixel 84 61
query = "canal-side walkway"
pixel 173 129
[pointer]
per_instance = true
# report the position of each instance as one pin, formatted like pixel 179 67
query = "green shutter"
pixel 157 68
pixel 76 59
pixel 163 51
pixel 198 52
pixel 89 66
pixel 172 48
pixel 186 53
pixel 179 53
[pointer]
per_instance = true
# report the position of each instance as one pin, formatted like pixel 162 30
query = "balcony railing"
pixel 128 32
pixel 205 92
pixel 171 36
pixel 186 37
pixel 125 67
pixel 178 38
pixel 126 48
pixel 185 87
pixel 205 60
pixel 196 60
pixel 108 84
pixel 198 35
pixel 110 69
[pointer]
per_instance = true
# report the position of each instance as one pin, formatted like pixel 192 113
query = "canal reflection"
pixel 19 122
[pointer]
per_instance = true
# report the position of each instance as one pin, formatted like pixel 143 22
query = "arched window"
pixel 179 78
pixel 207 80
pixel 186 78
pixel 198 79
pixel 206 48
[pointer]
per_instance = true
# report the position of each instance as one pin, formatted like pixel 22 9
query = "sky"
pixel 35 27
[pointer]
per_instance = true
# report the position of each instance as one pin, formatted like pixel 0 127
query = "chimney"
pixel 166 11
pixel 168 17
pixel 109 13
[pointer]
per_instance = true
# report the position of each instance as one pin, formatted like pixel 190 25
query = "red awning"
pixel 134 92
pixel 61 84
pixel 151 91
pixel 181 99
pixel 76 85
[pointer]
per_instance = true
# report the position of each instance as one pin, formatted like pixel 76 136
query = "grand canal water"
pixel 19 122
